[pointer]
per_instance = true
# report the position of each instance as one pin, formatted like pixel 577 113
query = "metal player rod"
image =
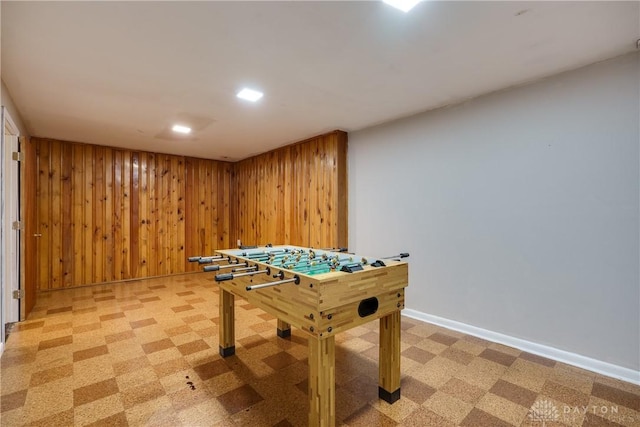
pixel 264 253
pixel 209 260
pixel 220 267
pixel 401 255
pixel 231 276
pixel 295 279
pixel 198 258
pixel 253 267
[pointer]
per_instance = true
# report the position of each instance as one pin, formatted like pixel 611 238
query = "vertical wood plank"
pixel 281 235
pixel 223 235
pixel 238 200
pixel 43 152
pixel 132 223
pixel 98 206
pixel 56 215
pixel 66 165
pixel 231 208
pixel 199 203
pixel 77 225
pixel 342 211
pixel 180 257
pixel 315 179
pixel 160 219
pixel 214 208
pixel 202 187
pixel 304 194
pixel 88 214
pixel 152 220
pixel 108 247
pixel 143 216
pixel 28 214
pixel 174 209
pixel 118 231
pixel 167 214
pixel 190 213
pixel 298 210
pixel 212 228
pixel 288 179
pixel 127 238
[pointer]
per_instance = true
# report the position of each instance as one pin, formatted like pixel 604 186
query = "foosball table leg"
pixel 389 360
pixel 284 329
pixel 227 328
pixel 322 388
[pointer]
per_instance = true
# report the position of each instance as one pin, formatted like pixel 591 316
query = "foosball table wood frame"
pixel 321 306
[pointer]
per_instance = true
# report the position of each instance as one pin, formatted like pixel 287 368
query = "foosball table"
pixel 322 293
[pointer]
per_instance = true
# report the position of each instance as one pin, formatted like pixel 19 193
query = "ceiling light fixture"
pixel 249 94
pixel 403 5
pixel 181 129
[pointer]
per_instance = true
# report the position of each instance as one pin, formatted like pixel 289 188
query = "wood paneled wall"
pixel 28 236
pixel 294 195
pixel 109 214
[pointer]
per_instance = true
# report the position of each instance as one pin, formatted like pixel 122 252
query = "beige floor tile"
pixel 448 407
pixel 48 399
pixel 96 410
pixel 502 408
pixel 146 353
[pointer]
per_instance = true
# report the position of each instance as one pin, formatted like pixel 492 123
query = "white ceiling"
pixel 121 73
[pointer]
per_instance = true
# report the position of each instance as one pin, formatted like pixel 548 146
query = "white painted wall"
pixel 520 209
pixel 8 103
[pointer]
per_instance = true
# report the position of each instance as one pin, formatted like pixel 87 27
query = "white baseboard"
pixel 594 365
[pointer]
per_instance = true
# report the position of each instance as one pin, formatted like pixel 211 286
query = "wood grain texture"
pixel 322 305
pixel 28 214
pixel 322 387
pixel 226 326
pixel 43 217
pixel 108 214
pixel 389 353
pixel 294 195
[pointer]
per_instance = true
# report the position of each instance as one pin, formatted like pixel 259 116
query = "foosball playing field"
pixel 322 293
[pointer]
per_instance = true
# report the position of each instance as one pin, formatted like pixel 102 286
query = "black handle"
pixel 194 258
pixel 223 277
pixel 211 268
pixel 205 260
pixel 404 254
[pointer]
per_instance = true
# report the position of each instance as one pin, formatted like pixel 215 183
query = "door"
pixel 10 240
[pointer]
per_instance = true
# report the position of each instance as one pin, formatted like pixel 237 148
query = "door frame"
pixel 9 311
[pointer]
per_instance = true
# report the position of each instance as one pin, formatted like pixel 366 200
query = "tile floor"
pixel 146 353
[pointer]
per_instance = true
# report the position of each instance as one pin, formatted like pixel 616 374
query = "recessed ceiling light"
pixel 181 129
pixel 249 94
pixel 403 5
